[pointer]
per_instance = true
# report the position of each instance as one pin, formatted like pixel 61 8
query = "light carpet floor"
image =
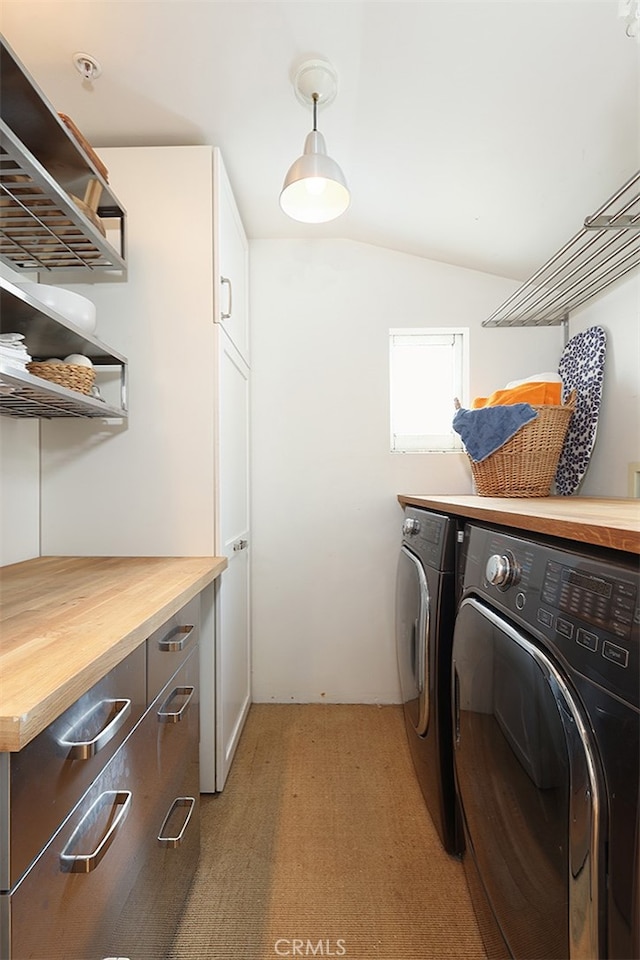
pixel 321 845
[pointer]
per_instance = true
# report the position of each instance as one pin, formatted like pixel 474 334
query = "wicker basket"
pixel 73 376
pixel 525 466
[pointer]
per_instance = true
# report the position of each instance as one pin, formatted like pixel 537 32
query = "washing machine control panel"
pixel 429 536
pixel 587 608
pixel 600 601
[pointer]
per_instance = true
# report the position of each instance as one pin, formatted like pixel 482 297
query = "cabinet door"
pixel 233 677
pixel 153 476
pixel 233 262
pixel 233 662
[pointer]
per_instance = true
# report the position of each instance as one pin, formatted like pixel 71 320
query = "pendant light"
pixel 314 189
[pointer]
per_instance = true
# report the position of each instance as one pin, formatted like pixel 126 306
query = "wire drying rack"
pixel 602 252
pixel 45 172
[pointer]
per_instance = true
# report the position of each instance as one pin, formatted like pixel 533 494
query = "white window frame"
pixel 434 443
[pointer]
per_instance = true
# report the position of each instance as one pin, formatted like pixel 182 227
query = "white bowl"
pixel 79 359
pixel 79 310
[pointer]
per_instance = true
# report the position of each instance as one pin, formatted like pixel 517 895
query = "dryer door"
pixel 412 631
pixel 529 787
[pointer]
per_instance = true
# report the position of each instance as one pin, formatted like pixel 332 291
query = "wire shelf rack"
pixel 601 253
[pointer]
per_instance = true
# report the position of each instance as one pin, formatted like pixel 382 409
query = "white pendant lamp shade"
pixel 314 189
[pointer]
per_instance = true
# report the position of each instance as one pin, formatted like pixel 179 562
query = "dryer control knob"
pixel 502 571
pixel 410 526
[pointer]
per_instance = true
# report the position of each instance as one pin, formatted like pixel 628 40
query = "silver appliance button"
pixel 502 571
pixel 564 628
pixel 543 616
pixel 614 653
pixel 410 526
pixel 586 639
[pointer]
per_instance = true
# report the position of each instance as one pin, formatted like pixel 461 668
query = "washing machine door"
pixel 530 790
pixel 412 631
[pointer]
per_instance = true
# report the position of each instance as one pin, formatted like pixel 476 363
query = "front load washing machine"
pixel 546 677
pixel 425 613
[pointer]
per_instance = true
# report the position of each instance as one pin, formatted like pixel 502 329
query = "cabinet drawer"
pixel 170 645
pixel 147 925
pixel 58 914
pixel 42 783
pixel 76 904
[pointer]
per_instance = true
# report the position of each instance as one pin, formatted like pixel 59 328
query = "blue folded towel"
pixel 486 429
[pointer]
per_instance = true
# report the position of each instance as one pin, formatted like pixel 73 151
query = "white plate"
pixel 76 308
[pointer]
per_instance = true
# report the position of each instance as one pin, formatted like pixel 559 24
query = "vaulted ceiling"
pixel 478 133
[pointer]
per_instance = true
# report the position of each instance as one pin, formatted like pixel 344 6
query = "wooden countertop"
pixel 604 522
pixel 66 621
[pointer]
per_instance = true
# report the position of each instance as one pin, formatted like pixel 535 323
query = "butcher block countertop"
pixel 603 522
pixel 66 621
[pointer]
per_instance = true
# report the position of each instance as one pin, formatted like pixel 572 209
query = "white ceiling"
pixel 478 133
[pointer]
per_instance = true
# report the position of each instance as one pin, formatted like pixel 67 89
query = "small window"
pixel 428 369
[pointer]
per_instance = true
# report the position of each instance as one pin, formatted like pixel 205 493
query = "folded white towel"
pixel 536 378
pixel 10 364
pixel 14 352
pixel 14 355
pixel 7 338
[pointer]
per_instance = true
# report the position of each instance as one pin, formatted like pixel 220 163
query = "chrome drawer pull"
pixel 85 863
pixel 172 643
pixel 85 749
pixel 176 841
pixel 175 716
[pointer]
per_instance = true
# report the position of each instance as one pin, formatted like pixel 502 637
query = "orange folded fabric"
pixel 535 393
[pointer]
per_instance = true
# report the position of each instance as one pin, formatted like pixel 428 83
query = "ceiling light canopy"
pixel 314 189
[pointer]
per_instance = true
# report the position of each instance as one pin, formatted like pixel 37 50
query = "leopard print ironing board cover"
pixel 582 369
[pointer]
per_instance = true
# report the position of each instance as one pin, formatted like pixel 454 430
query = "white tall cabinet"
pixel 174 479
pixel 232 523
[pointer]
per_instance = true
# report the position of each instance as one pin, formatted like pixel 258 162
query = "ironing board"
pixel 581 368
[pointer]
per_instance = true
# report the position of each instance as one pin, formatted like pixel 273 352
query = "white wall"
pixel 618 435
pixel 326 520
pixel 19 478
pixel 19 490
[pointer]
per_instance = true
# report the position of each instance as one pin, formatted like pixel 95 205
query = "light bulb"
pixel 315 186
